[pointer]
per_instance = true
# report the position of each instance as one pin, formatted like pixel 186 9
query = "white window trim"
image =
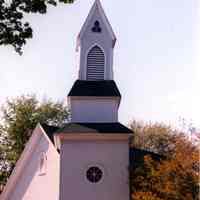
pixel 86 55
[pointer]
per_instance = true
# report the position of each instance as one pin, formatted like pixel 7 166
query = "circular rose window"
pixel 94 174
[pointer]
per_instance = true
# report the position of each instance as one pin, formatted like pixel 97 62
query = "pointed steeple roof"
pixel 97 6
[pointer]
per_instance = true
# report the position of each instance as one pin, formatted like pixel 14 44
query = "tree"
pixel 157 137
pixel 174 177
pixel 13 29
pixel 19 117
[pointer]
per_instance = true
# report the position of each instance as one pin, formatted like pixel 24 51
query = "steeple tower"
pixel 95 97
pixel 94 146
pixel 96 41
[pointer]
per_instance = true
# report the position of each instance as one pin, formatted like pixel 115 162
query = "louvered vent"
pixel 95 64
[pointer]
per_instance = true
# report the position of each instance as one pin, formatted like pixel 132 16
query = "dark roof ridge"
pixel 103 88
pixel 101 127
pixel 136 156
pixel 144 150
pixel 49 130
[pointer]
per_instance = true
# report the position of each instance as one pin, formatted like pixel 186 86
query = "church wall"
pixel 94 110
pixel 34 184
pixel 110 156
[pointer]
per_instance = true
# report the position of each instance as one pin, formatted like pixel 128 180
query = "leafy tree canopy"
pixel 156 137
pixel 19 117
pixel 14 30
pixel 174 177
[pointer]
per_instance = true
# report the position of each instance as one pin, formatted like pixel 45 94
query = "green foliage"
pixel 157 138
pixel 19 117
pixel 175 177
pixel 13 30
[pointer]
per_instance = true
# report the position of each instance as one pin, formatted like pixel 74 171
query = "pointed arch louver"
pixel 95 64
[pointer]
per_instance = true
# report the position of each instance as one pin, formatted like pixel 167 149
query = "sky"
pixel 156 57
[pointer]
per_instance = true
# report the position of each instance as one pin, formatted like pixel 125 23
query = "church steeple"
pixel 94 97
pixel 96 41
pixel 94 146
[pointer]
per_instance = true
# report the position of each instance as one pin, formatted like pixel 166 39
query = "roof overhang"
pixel 104 88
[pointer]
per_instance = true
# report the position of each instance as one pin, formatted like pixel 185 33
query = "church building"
pixel 89 157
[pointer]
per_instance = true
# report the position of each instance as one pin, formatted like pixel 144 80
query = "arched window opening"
pixel 95 64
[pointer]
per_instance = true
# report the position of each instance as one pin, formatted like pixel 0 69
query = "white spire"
pixel 96 41
pixel 97 5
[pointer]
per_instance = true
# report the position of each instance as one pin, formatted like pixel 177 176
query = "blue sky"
pixel 156 58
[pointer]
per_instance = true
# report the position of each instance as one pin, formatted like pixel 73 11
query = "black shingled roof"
pixel 94 128
pixel 50 130
pixel 136 156
pixel 94 88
